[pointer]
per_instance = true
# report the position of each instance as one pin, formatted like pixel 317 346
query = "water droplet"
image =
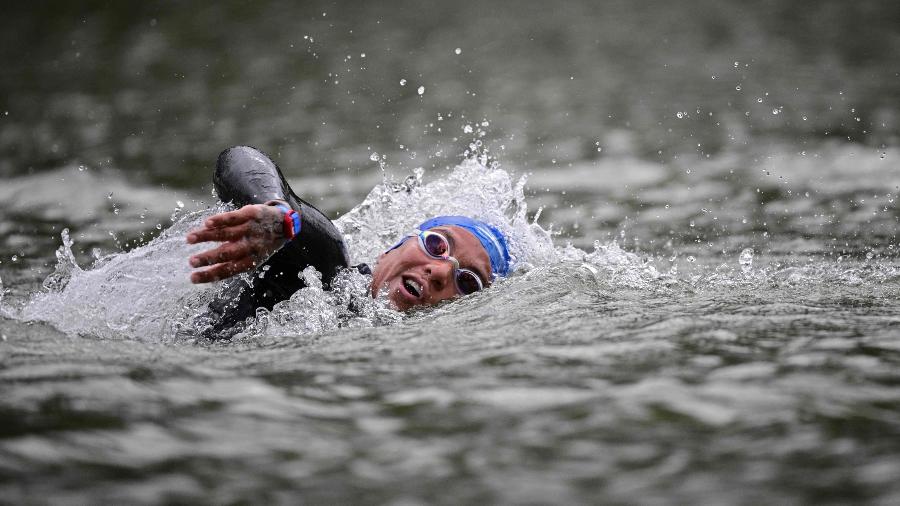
pixel 691 259
pixel 679 114
pixel 180 204
pixel 776 111
pixel 421 90
pixel 738 87
pixel 457 51
pixel 804 117
pixel 14 258
pixel 109 195
pixel 759 100
pixel 467 129
pixel 403 82
pixel 746 260
pixel 883 154
pixel 374 157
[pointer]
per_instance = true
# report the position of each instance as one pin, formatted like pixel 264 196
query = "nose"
pixel 439 273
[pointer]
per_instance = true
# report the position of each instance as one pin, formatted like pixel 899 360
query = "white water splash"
pixel 313 310
pixel 746 260
pixel 146 293
pixel 472 189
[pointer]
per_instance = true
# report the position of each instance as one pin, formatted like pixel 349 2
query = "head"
pixel 411 277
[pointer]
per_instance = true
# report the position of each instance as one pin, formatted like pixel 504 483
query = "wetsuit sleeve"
pixel 244 176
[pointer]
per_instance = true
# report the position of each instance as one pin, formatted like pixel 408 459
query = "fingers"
pixel 223 271
pixel 238 217
pixel 225 253
pixel 234 233
pixel 232 218
pixel 248 234
pixel 234 225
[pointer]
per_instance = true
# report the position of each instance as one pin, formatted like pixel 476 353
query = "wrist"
pixel 290 222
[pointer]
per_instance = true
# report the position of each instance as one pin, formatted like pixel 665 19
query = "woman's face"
pixel 411 277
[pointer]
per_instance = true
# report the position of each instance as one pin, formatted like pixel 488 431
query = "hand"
pixel 250 234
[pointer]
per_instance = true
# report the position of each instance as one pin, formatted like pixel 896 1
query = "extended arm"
pixel 250 235
pixel 253 239
pixel 249 179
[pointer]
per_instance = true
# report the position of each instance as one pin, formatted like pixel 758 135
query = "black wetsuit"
pixel 245 175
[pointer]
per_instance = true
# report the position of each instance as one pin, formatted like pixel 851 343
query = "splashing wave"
pixel 146 294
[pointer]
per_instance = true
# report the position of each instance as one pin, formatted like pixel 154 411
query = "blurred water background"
pixel 718 323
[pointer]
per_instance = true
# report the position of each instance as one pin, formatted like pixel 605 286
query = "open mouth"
pixel 413 287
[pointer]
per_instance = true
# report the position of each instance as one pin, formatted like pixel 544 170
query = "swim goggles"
pixel 435 245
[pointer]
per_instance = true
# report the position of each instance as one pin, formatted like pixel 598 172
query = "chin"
pixel 391 290
pixel 395 295
pixel 399 305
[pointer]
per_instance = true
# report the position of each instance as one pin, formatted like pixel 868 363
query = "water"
pixel 705 309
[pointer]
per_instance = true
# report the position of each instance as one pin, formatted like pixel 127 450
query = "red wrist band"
pixel 291 222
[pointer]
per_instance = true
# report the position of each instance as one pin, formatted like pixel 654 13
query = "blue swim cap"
pixel 490 238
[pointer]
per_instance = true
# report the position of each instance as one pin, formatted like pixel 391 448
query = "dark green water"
pixel 672 366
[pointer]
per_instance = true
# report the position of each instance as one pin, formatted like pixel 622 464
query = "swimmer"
pixel 277 234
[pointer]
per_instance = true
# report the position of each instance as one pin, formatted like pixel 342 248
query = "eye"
pixel 436 245
pixel 467 281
